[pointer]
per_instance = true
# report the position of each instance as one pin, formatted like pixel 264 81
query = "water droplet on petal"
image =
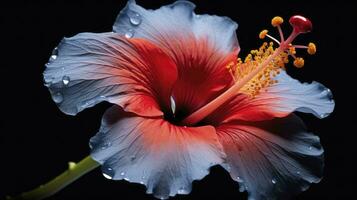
pixel 54 55
pixel 57 97
pixel 65 80
pixel 298 172
pixel 91 143
pixel 108 172
pixel 122 173
pixel 132 158
pixel 324 115
pixel 310 147
pixel 55 51
pixel 107 176
pixel 273 181
pixel 106 145
pixel 182 190
pixel 129 33
pixel 328 93
pixel 48 80
pixel 135 18
pixel 102 97
pixel 239 179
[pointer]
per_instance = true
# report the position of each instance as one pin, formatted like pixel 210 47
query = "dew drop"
pixel 135 18
pixel 239 179
pixel 129 33
pixel 106 145
pixel 102 97
pixel 107 176
pixel 54 55
pixel 132 158
pixel 273 181
pixel 324 115
pixel 65 80
pixel 48 80
pixel 298 172
pixel 55 51
pixel 122 173
pixel 182 190
pixel 108 172
pixel 57 97
pixel 91 143
pixel 328 93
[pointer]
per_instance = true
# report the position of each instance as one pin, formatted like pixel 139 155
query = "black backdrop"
pixel 37 140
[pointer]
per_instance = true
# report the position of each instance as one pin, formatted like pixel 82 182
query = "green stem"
pixel 74 172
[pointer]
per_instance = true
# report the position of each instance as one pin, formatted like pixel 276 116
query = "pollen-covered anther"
pixel 263 79
pixel 299 62
pixel 263 33
pixel 311 48
pixel 276 21
pixel 292 50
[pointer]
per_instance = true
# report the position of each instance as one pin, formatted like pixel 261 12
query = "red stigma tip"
pixel 300 24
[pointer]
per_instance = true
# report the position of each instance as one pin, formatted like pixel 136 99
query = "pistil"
pixel 300 25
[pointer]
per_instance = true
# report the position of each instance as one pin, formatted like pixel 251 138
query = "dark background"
pixel 37 140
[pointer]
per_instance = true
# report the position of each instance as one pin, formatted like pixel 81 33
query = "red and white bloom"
pixel 158 67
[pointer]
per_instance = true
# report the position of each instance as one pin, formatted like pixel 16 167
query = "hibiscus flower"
pixel 183 103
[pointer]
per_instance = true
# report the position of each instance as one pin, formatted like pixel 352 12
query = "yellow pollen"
pixel 299 62
pixel 266 77
pixel 263 33
pixel 311 48
pixel 276 21
pixel 292 50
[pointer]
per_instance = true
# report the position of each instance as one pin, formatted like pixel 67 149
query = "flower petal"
pixel 89 68
pixel 273 159
pixel 164 157
pixel 280 99
pixel 163 25
pixel 201 48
